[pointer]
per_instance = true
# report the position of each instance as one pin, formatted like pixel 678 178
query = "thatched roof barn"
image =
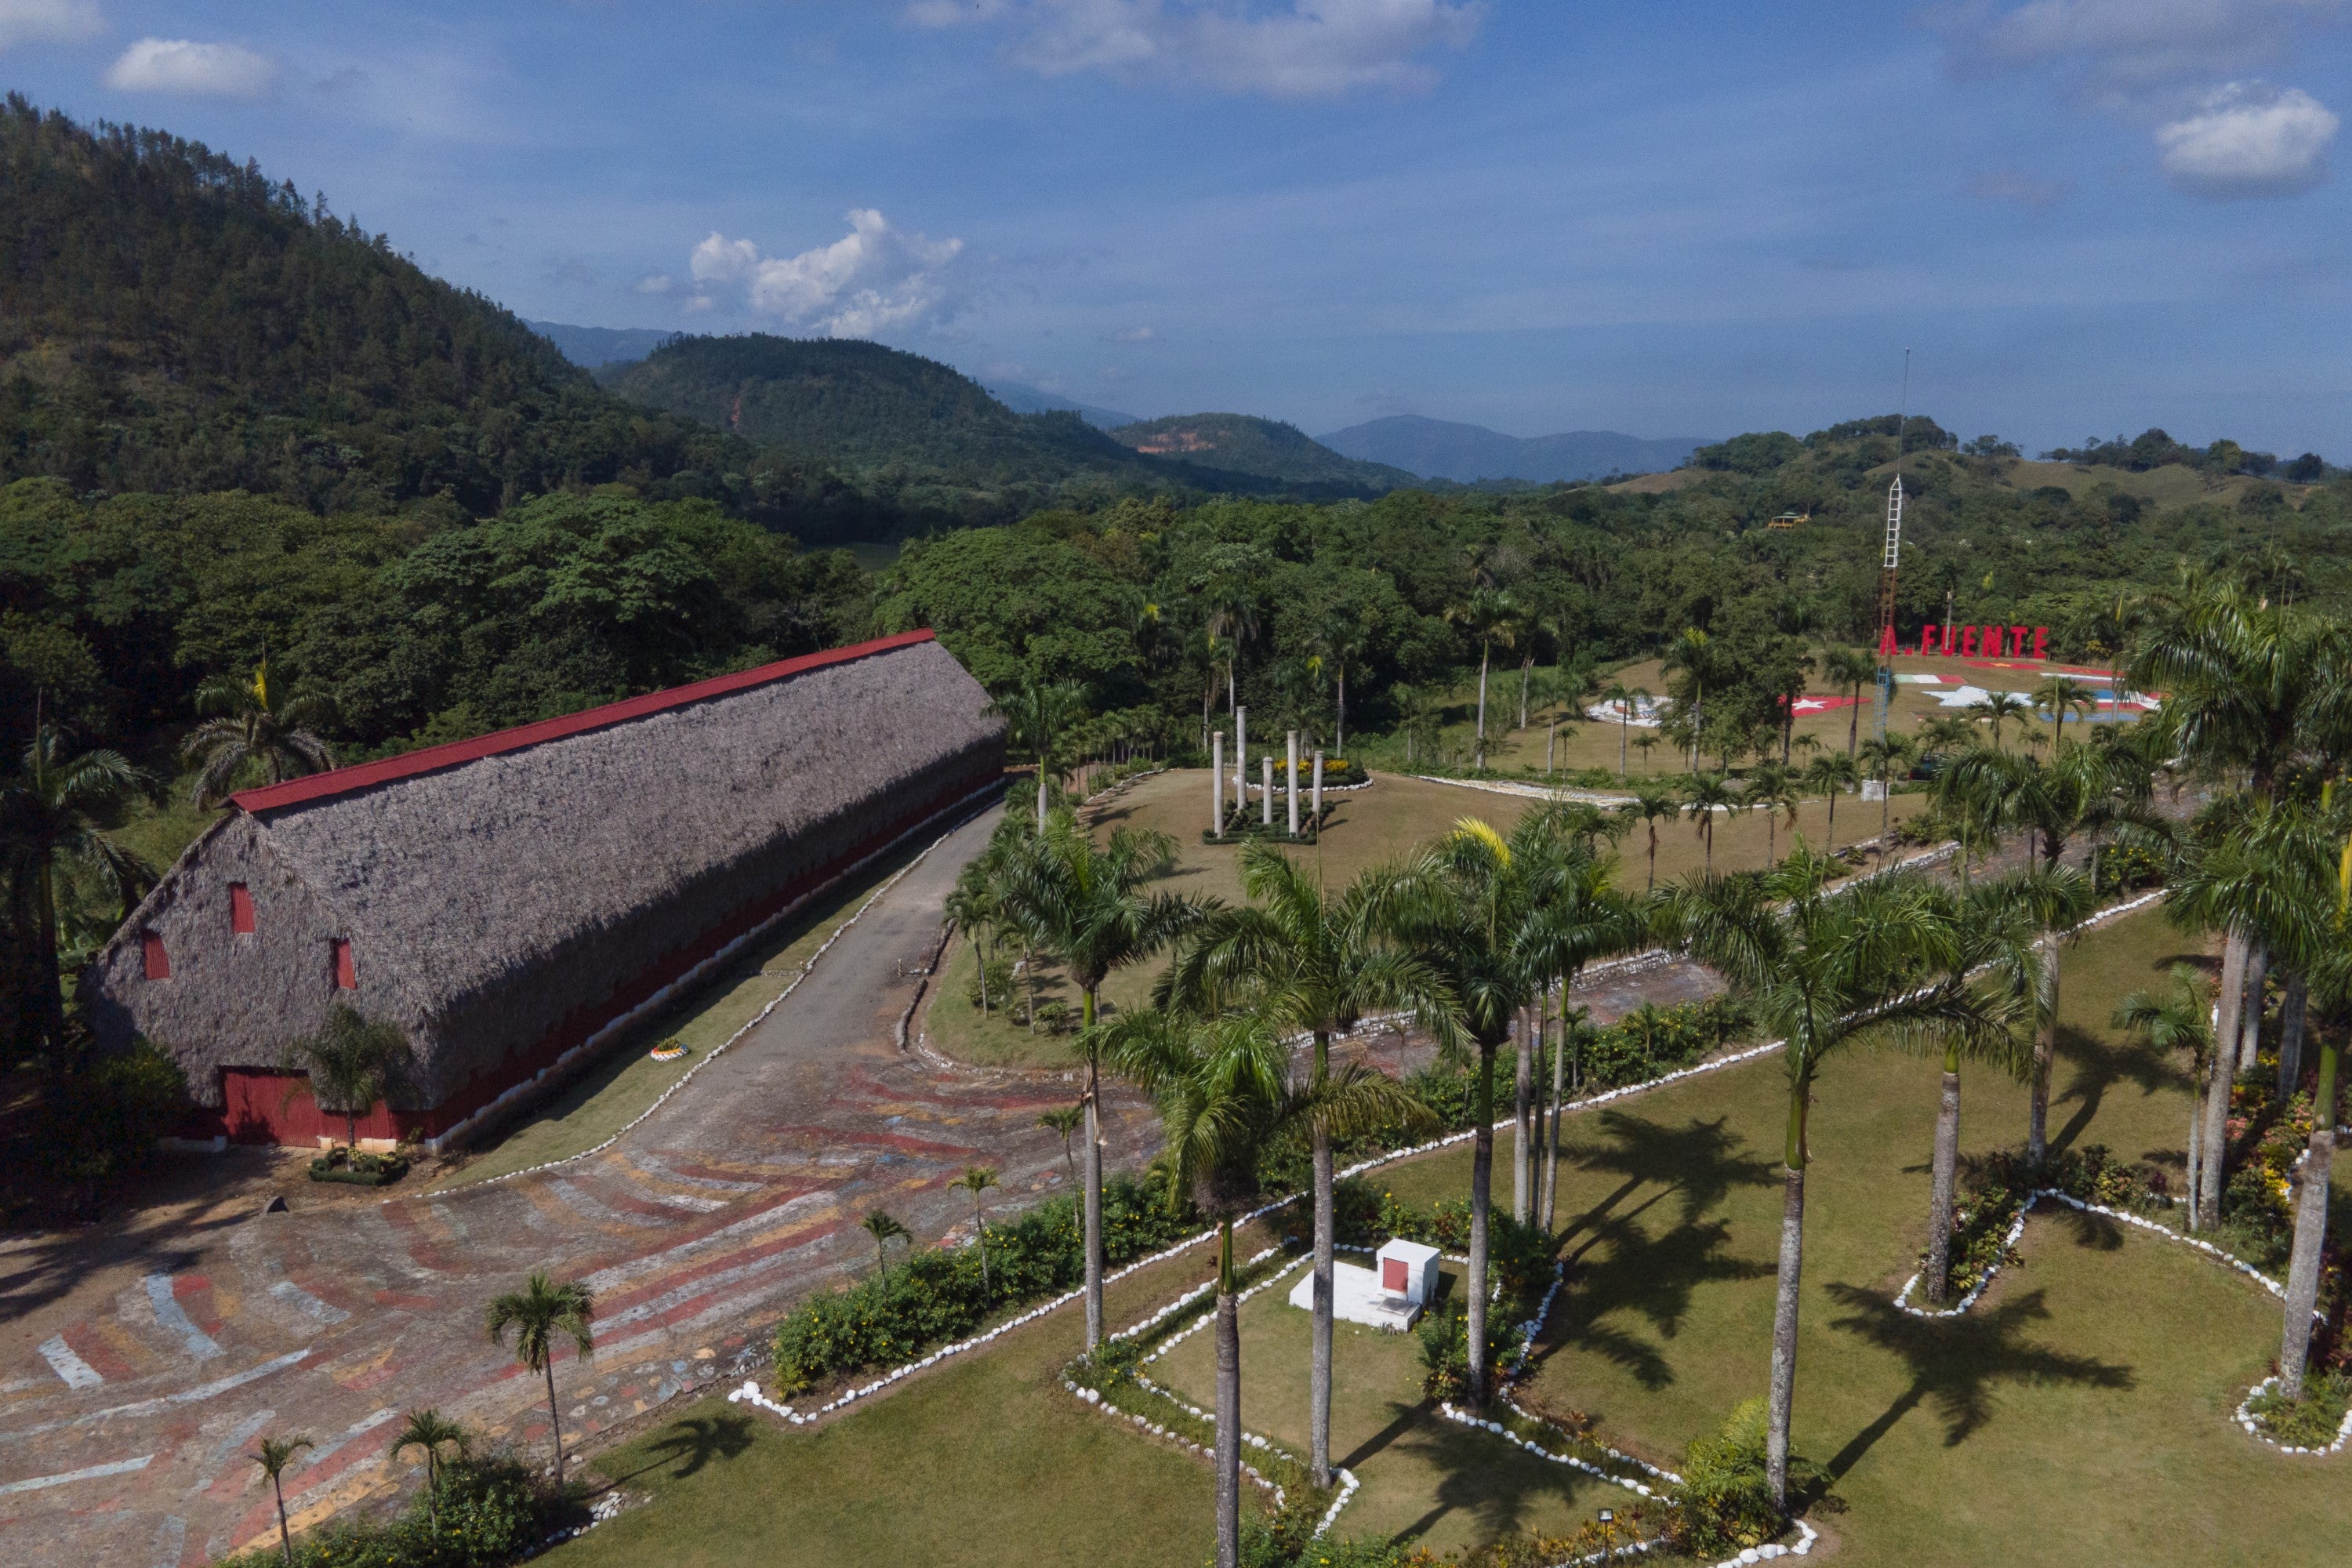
pixel 506 901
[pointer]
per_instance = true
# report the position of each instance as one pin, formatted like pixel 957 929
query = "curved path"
pixel 125 1417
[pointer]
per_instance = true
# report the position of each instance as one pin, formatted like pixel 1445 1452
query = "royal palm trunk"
pixel 1485 656
pixel 2310 1229
pixel 1523 1127
pixel 1482 1185
pixel 2249 1028
pixel 1946 1178
pixel 2045 1053
pixel 2214 1141
pixel 1319 1384
pixel 1229 1406
pixel 1094 1243
pixel 2292 1011
pixel 1551 1132
pixel 554 1426
pixel 1784 1298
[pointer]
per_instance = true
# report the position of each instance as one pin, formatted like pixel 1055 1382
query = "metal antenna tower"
pixel 1892 560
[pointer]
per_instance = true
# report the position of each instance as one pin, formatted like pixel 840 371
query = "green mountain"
pixel 1267 449
pixel 171 321
pixel 864 408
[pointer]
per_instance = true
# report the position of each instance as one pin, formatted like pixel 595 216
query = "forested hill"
pixel 1265 447
pixel 171 320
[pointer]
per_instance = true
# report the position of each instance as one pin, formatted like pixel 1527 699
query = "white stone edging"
pixel 2244 1419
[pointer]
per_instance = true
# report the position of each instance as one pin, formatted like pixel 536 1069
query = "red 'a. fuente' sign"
pixel 1974 642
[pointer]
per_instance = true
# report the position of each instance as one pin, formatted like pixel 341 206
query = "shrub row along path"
pixel 140 1359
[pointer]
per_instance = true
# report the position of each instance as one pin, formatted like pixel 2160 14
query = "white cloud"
pixel 46 21
pixel 2129 45
pixel 2250 139
pixel 193 69
pixel 872 279
pixel 1135 335
pixel 1305 49
pixel 2016 185
pixel 656 283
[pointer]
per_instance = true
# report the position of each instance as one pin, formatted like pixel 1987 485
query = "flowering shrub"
pixel 2128 869
pixel 2311 1422
pixel 936 1294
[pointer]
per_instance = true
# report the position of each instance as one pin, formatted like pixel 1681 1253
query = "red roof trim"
pixel 455 753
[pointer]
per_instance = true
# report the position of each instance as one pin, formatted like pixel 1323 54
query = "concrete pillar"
pixel 1217 784
pixel 1290 783
pixel 1319 795
pixel 1241 759
pixel 1265 790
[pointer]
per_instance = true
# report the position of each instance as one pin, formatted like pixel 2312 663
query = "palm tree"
pixel 273 1456
pixel 1039 717
pixel 1768 786
pixel 540 1314
pixel 2059 695
pixel 1066 1119
pixel 1998 707
pixel 1626 698
pixel 1489 616
pixel 1947 732
pixel 1821 972
pixel 432 1431
pixel 1340 641
pixel 2335 976
pixel 1222 1088
pixel 1707 795
pixel 1230 599
pixel 1881 755
pixel 1830 775
pixel 353 1061
pixel 972 905
pixel 2179 1018
pixel 2001 924
pixel 1650 803
pixel 250 727
pixel 878 1224
pixel 976 1180
pixel 1850 670
pixel 1971 797
pixel 1465 907
pixel 1692 655
pixel 50 814
pixel 1316 964
pixel 1086 904
pixel 1645 743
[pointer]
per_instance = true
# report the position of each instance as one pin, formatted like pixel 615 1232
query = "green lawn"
pixel 2078 1414
pixel 617 1089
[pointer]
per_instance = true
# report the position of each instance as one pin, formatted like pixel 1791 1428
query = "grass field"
pixel 619 1087
pixel 2078 1414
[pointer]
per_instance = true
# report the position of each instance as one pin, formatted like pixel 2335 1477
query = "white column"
pixel 1290 783
pixel 1241 759
pixel 1217 784
pixel 1319 795
pixel 1265 790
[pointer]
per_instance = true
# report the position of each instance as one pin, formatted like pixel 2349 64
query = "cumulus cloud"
pixel 656 283
pixel 2016 185
pixel 1305 49
pixel 46 21
pixel 2250 139
pixel 872 279
pixel 191 70
pixel 1135 335
pixel 2127 44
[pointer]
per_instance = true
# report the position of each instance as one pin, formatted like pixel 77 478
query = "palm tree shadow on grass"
pixel 2099 1066
pixel 1650 1275
pixel 1471 1481
pixel 692 1443
pixel 1956 1363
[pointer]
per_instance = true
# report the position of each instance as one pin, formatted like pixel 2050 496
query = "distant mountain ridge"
pixel 1243 444
pixel 592 347
pixel 1023 399
pixel 1442 449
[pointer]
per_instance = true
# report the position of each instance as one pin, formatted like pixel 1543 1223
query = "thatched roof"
pixel 502 892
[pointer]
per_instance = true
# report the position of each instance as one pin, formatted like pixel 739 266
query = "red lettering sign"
pixel 1928 639
pixel 1968 642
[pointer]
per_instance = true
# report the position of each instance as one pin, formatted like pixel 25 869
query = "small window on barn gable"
pixel 347 977
pixel 240 909
pixel 151 949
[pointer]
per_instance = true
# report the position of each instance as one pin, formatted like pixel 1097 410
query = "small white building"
pixel 1388 1295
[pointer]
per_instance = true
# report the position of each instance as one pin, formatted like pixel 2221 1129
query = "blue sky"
pixel 2083 215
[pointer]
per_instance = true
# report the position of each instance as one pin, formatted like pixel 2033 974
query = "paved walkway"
pixel 140 1367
